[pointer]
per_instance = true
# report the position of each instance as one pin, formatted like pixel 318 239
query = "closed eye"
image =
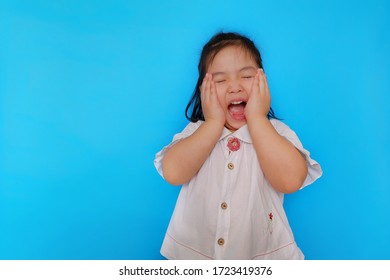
pixel 247 77
pixel 220 81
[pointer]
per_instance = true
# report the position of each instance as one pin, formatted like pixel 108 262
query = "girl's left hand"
pixel 259 100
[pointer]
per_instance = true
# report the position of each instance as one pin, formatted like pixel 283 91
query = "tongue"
pixel 237 111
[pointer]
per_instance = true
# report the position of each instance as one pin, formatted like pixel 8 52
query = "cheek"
pixel 248 85
pixel 221 96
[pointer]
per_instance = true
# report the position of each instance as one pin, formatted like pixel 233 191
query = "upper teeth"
pixel 236 102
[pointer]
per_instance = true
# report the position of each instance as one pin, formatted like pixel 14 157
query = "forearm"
pixel 282 164
pixel 184 159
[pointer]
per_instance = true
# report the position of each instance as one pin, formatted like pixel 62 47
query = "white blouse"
pixel 228 210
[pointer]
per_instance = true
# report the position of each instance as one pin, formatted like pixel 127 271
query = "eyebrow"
pixel 241 70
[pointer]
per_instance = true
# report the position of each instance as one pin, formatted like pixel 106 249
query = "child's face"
pixel 233 71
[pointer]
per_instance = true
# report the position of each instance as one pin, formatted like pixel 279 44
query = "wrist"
pixel 256 120
pixel 214 124
pixel 213 127
pixel 258 124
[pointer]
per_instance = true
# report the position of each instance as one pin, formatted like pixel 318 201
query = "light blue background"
pixel 91 90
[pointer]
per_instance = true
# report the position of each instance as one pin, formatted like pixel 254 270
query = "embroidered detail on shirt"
pixel 270 222
pixel 233 144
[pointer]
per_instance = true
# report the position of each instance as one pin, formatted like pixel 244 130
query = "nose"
pixel 234 86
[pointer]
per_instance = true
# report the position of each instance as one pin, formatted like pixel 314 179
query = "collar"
pixel 242 133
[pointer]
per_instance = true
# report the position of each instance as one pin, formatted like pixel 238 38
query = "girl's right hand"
pixel 212 109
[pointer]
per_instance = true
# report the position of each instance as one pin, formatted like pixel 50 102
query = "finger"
pixel 213 89
pixel 208 86
pixel 205 79
pixel 262 81
pixel 213 93
pixel 204 85
pixel 256 85
pixel 265 82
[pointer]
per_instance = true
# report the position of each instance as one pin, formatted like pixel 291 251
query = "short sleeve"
pixel 187 131
pixel 314 169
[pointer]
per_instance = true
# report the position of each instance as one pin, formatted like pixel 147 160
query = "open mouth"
pixel 237 110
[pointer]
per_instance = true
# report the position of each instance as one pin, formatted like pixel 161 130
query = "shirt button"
pixel 231 166
pixel 224 205
pixel 221 241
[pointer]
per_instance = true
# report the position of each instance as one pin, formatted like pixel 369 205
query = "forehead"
pixel 231 57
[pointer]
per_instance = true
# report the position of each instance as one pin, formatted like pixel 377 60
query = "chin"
pixel 236 125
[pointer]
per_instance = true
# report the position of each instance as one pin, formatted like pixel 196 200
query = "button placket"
pixel 221 241
pixel 233 147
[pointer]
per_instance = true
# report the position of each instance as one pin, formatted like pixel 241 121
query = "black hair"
pixel 218 42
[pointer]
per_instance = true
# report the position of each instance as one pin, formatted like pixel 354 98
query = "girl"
pixel 235 161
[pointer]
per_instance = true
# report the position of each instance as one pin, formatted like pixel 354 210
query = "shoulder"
pixel 284 130
pixel 195 125
pixel 192 127
pixel 280 126
pixel 188 130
